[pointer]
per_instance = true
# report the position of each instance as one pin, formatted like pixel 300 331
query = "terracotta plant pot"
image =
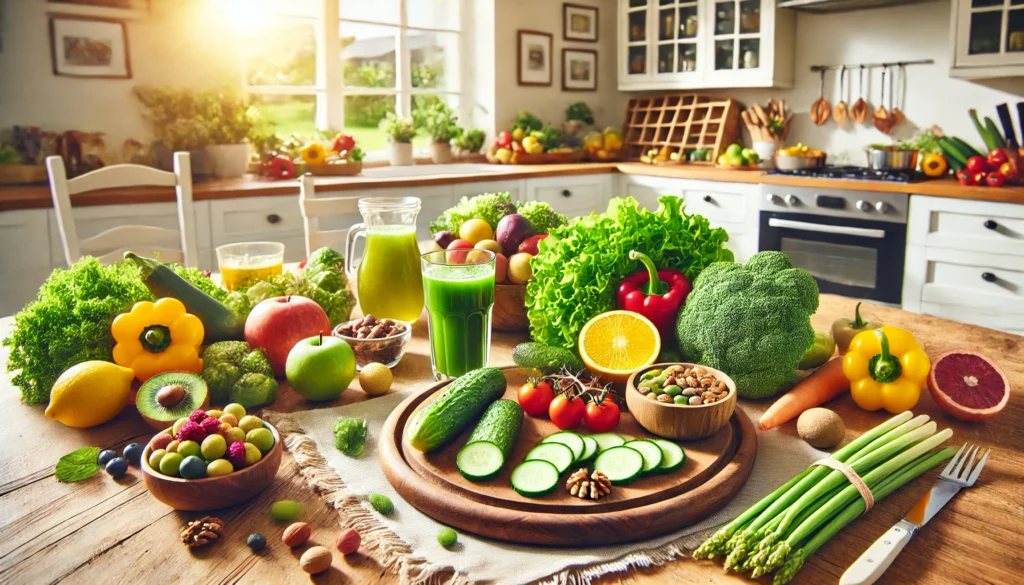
pixel 228 160
pixel 400 154
pixel 441 152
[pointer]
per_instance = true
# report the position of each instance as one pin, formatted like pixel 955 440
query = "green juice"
pixel 459 300
pixel 389 282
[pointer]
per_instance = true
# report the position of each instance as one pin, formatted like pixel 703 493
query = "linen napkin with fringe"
pixel 406 542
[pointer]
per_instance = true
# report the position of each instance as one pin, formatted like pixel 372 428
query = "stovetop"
pixel 854 173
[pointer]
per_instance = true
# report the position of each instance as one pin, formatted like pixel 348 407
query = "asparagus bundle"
pixel 792 522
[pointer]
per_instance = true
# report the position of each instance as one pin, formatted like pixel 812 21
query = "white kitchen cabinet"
pixel 704 44
pixel 572 196
pixel 987 38
pixel 965 261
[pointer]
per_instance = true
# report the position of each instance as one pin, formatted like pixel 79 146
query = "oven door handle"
pixel 825 228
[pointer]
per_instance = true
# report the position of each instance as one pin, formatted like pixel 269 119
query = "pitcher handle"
pixel 354 232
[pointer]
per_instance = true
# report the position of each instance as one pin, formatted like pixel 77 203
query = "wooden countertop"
pixel 102 530
pixel 38 196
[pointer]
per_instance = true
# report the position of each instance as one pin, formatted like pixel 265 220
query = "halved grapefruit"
pixel 968 386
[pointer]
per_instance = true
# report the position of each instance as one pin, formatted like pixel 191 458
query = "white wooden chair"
pixel 314 207
pixel 109 246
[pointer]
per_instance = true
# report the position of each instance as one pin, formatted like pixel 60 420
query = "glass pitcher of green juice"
pixel 388 280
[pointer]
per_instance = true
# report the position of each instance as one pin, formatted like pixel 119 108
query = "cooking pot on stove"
pixel 889 158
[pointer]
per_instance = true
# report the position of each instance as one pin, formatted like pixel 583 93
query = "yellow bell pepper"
pixel 887 368
pixel 158 337
pixel 314 154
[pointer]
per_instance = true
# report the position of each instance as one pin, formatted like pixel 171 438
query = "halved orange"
pixel 616 343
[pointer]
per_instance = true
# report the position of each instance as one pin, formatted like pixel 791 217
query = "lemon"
pixel 616 343
pixel 475 231
pixel 90 394
pixel 375 379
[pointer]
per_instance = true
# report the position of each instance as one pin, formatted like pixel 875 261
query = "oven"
pixel 852 242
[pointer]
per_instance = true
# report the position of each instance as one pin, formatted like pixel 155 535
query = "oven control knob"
pixel 884 207
pixel 863 205
pixel 792 200
pixel 774 199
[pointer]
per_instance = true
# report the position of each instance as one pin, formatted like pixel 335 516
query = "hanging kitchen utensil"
pixel 820 110
pixel 839 114
pixel 896 98
pixel 860 109
pixel 882 120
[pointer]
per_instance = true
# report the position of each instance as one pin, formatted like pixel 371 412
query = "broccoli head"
pixel 752 321
pixel 235 372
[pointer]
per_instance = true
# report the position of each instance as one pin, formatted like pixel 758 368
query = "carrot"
pixel 823 385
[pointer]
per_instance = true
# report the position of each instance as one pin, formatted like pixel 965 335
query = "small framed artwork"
pixel 579 23
pixel 534 57
pixel 84 46
pixel 579 70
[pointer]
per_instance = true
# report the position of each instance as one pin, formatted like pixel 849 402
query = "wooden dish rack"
pixel 681 123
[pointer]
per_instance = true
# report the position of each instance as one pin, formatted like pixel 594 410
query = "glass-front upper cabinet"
pixel 636 38
pixel 678 24
pixel 988 38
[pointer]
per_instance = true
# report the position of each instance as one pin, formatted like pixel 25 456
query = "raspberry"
pixel 197 415
pixel 236 454
pixel 210 425
pixel 191 431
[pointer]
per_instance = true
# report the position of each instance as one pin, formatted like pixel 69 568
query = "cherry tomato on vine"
pixel 602 416
pixel 535 398
pixel 566 413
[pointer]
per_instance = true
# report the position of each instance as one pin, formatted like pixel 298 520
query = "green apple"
pixel 734 150
pixel 750 156
pixel 320 368
pixel 734 160
pixel 723 160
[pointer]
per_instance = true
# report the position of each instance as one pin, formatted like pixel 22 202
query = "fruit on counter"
pixel 444 239
pixel 219 322
pixel 116 467
pixel 546 358
pixel 491 207
pixel 886 368
pixel 277 324
pixel 459 405
pixel 519 271
pixel 997 157
pixel 566 410
pixel 491 245
pixel 820 351
pixel 320 368
pixel 530 244
pixel 343 143
pixel 614 344
pixel 821 428
pixel 751 321
pixel 190 460
pixel 256 542
pixel 285 510
pixel 500 268
pixel 977 164
pixel 737 156
pixel 491 442
pixel 844 330
pixel 800 150
pixel 447 537
pixel 168 397
pixel 699 155
pixel 503 155
pixel 459 257
pixel 602 413
pixel 979 179
pixel 133 453
pixel 279 167
pixel 968 386
pixel 994 179
pixel 475 231
pixel 934 165
pixel 1009 171
pixel 235 372
pixel 157 337
pixel 966 178
pixel 105 457
pixel 532 146
pixel 504 139
pixel 348 541
pixel 535 397
pixel 375 379
pixel 655 294
pixel 511 231
pixel 822 385
pixel 89 394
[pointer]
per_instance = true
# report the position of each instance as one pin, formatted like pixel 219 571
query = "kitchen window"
pixel 323 65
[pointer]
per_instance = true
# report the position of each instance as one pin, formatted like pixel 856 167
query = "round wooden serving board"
pixel 716 468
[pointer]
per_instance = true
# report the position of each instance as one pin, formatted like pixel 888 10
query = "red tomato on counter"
pixel 601 417
pixel 535 398
pixel 566 413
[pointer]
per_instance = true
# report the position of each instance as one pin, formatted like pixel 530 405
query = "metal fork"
pixel 962 471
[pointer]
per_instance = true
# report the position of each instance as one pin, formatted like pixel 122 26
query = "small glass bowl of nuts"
pixel 681 400
pixel 375 340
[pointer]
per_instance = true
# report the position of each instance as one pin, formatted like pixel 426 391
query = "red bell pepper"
pixel 655 294
pixel 279 167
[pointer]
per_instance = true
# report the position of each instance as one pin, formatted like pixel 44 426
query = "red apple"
pixel 458 257
pixel 530 244
pixel 276 325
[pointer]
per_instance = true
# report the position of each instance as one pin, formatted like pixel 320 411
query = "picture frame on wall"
pixel 533 58
pixel 86 46
pixel 579 23
pixel 579 70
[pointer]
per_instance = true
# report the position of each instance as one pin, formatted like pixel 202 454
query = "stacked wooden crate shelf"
pixel 680 123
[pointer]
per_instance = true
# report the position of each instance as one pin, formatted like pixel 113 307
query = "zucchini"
pixel 546 358
pixel 556 454
pixel 993 131
pixel 965 148
pixel 458 406
pixel 672 454
pixel 620 464
pixel 492 440
pixel 608 440
pixel 953 154
pixel 651 453
pixel 535 478
pixel 219 322
pixel 570 440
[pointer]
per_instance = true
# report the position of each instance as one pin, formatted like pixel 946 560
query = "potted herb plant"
pixel 469 143
pixel 441 124
pixel 174 116
pixel 230 121
pixel 400 132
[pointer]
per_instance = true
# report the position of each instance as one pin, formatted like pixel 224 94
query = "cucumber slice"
pixel 480 461
pixel 608 440
pixel 621 464
pixel 535 478
pixel 651 452
pixel 556 454
pixel 672 456
pixel 570 440
pixel 590 448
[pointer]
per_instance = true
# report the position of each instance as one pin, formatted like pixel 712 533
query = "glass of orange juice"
pixel 244 263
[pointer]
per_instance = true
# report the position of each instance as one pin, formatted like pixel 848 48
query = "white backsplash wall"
pixel 900 33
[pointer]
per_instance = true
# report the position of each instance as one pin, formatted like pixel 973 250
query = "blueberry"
pixel 117 467
pixel 133 453
pixel 256 542
pixel 105 456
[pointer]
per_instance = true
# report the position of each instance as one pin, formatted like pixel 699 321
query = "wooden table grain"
pixel 111 531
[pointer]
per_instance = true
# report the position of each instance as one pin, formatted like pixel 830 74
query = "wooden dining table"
pixel 103 530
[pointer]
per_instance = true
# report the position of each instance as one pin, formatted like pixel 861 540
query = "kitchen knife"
pixel 1020 118
pixel 1007 123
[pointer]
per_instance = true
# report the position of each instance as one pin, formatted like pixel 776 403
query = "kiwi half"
pixel 166 397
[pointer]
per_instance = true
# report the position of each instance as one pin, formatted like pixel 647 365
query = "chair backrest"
pixel 109 246
pixel 314 207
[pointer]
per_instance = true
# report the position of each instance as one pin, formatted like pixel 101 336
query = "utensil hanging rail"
pixel 817 68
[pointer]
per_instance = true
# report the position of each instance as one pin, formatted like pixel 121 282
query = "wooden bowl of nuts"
pixel 375 340
pixel 681 400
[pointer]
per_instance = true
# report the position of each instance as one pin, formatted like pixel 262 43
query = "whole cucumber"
pixel 458 406
pixel 499 425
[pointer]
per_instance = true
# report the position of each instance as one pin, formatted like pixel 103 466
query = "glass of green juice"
pixel 458 289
